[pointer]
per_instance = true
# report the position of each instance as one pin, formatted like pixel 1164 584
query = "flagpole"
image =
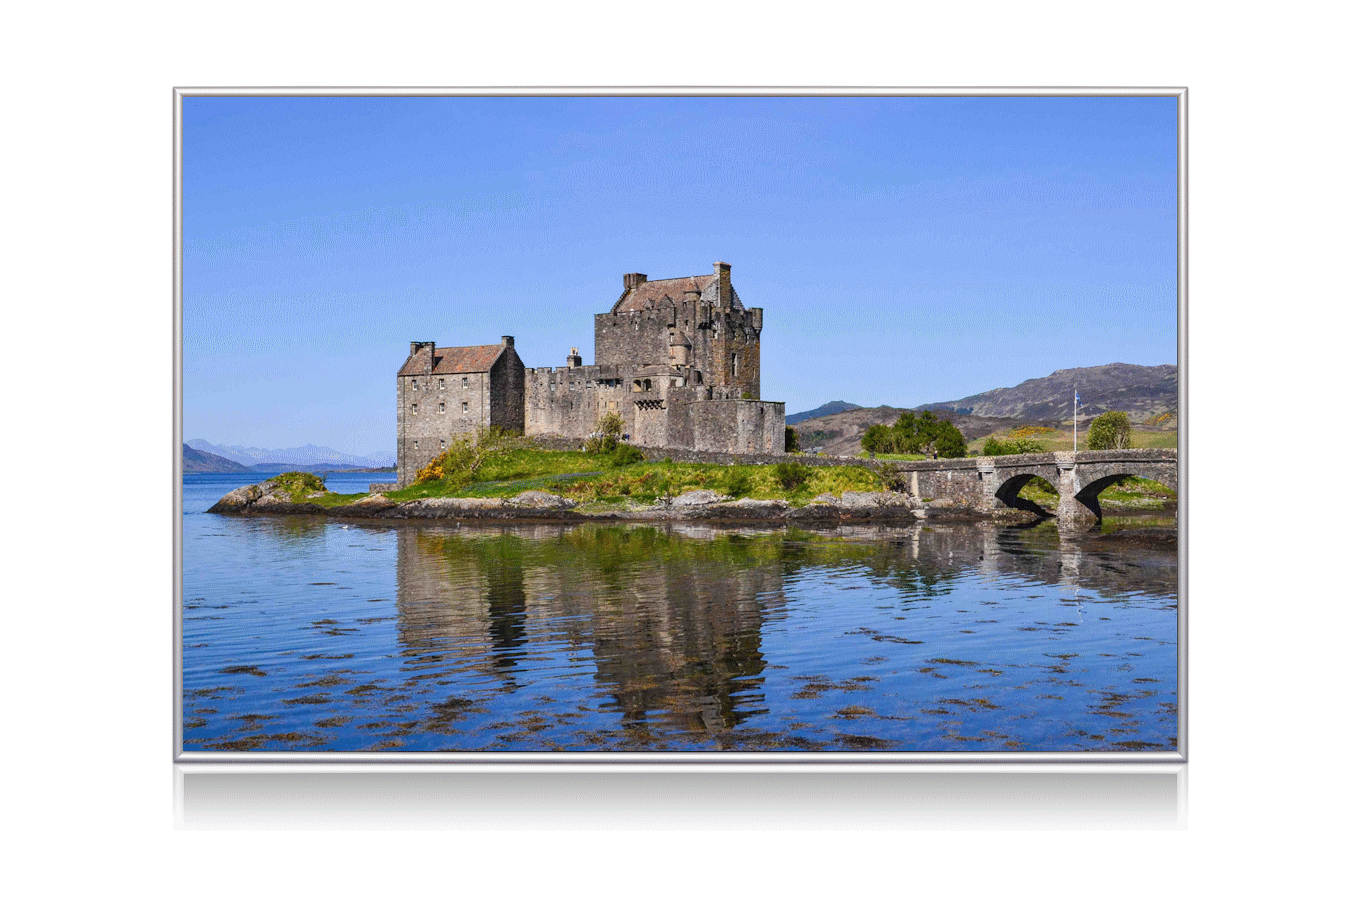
pixel 1075 399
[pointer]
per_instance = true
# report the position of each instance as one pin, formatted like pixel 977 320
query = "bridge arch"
pixel 1080 496
pixel 1007 492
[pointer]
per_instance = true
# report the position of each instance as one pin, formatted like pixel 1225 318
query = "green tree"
pixel 791 440
pixel 878 439
pixel 928 434
pixel 1110 431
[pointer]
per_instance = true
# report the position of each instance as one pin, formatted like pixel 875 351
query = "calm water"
pixel 303 634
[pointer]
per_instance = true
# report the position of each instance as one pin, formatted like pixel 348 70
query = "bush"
pixel 894 477
pixel 462 459
pixel 607 436
pixel 625 455
pixel 1111 431
pixel 791 440
pixel 739 484
pixel 792 475
pixel 993 447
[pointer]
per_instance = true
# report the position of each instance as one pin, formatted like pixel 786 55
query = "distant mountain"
pixel 1139 391
pixel 825 409
pixel 201 461
pixel 307 457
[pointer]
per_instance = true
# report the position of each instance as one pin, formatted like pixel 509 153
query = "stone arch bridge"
pixel 994 482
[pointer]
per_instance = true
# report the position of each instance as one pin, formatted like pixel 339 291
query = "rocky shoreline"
pixel 269 498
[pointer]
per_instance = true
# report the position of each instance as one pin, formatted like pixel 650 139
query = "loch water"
pixel 307 634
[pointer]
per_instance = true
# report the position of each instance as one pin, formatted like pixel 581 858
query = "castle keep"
pixel 679 359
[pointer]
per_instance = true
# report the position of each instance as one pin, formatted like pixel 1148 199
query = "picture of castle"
pixel 679 359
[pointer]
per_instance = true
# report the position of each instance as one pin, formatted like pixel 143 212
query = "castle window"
pixel 735 365
pixel 441 384
pixel 441 407
pixel 414 409
pixel 441 445
pixel 465 382
pixel 415 445
pixel 465 409
pixel 415 384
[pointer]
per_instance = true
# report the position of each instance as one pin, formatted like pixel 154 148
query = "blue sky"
pixel 905 250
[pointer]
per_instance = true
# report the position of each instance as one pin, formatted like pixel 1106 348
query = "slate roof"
pixel 454 360
pixel 651 293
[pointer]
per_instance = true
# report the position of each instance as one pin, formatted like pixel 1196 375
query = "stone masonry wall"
pixel 431 410
pixel 507 397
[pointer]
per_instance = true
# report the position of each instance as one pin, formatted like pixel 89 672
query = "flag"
pixel 1078 398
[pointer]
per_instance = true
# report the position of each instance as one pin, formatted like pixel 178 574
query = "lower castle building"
pixel 679 359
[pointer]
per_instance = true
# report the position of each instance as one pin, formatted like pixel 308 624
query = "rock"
pixel 827 499
pixel 238 498
pixel 749 503
pixel 871 499
pixel 698 498
pixel 542 500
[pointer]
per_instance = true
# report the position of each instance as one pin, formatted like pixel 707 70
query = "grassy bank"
pixel 1063 438
pixel 598 478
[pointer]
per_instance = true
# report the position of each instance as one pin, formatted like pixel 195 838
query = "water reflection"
pixel 303 634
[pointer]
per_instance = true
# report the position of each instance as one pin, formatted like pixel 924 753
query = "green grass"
pixel 1063 439
pixel 589 479
pixel 906 457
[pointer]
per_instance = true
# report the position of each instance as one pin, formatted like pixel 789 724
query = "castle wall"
pixel 569 401
pixel 739 426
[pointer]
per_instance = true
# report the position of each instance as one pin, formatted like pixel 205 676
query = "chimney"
pixel 575 360
pixel 634 279
pixel 507 340
pixel 724 271
pixel 415 347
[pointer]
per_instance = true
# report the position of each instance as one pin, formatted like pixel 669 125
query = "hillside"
pixel 1139 391
pixel 308 457
pixel 200 461
pixel 826 409
pixel 839 434
pixel 1143 392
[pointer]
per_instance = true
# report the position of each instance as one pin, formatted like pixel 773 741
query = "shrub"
pixel 792 475
pixel 994 447
pixel 462 459
pixel 625 455
pixel 607 436
pixel 1111 431
pixel 894 477
pixel 739 484
pixel 791 440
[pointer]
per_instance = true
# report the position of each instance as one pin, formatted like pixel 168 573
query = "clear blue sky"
pixel 905 250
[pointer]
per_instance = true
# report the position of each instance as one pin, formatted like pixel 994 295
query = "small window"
pixel 441 384
pixel 441 407
pixel 465 382
pixel 415 384
pixel 415 445
pixel 442 444
pixel 415 409
pixel 553 385
pixel 465 409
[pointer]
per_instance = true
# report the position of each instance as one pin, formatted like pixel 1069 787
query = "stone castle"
pixel 679 359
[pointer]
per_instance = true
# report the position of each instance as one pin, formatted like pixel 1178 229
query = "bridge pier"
pixel 1073 511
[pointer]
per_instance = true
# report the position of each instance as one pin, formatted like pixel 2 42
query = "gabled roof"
pixel 454 360
pixel 651 293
